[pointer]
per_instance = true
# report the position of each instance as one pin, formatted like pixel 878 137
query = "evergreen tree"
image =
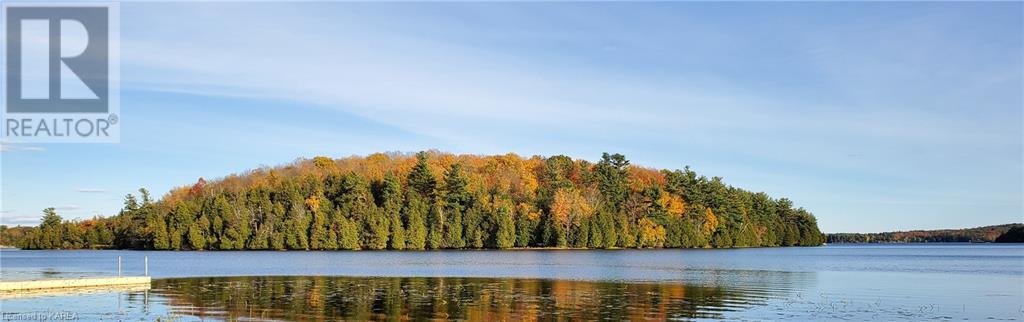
pixel 421 179
pixel 51 233
pixel 321 235
pixel 348 237
pixel 391 196
pixel 378 228
pixel 435 222
pixel 607 225
pixel 297 225
pixel 161 239
pixel 456 199
pixel 505 236
pixel 415 216
pixel 196 239
pixel 611 176
pixel 474 228
pixel 525 229
pixel 596 233
pixel 180 223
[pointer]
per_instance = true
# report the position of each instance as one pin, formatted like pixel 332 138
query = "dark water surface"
pixel 847 282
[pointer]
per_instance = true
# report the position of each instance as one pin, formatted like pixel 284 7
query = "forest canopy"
pixel 435 200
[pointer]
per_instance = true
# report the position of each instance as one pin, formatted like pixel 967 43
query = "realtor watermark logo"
pixel 62 72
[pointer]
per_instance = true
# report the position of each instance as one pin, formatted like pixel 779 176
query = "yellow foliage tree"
pixel 323 163
pixel 569 207
pixel 640 178
pixel 673 204
pixel 313 202
pixel 651 234
pixel 376 165
pixel 710 222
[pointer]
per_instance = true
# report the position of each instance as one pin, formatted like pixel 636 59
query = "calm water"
pixel 850 282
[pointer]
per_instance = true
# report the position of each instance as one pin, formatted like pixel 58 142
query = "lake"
pixel 835 282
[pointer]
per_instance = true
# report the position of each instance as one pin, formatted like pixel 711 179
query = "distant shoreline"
pixel 1006 233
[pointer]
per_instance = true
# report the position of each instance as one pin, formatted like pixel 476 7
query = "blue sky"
pixel 874 116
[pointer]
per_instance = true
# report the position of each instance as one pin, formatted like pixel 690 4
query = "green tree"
pixel 196 239
pixel 321 235
pixel 436 222
pixel 505 236
pixel 181 219
pixel 51 233
pixel 297 225
pixel 456 199
pixel 391 202
pixel 158 229
pixel 378 228
pixel 415 211
pixel 229 224
pixel 421 179
pixel 525 229
pixel 474 228
pixel 348 236
pixel 612 174
pixel 606 222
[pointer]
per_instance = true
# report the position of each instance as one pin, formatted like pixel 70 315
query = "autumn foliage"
pixel 435 200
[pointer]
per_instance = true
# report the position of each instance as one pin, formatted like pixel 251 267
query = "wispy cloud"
pixel 67 207
pixel 824 106
pixel 456 90
pixel 19 220
pixel 91 190
pixel 13 147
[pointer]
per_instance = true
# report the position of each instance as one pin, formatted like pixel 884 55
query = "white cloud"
pixel 442 87
pixel 19 220
pixel 91 190
pixel 13 147
pixel 890 93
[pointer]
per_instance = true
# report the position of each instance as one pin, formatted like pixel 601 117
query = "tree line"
pixel 434 200
pixel 986 234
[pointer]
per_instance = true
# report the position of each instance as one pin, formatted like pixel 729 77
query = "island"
pixel 435 200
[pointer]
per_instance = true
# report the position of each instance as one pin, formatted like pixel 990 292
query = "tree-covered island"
pixel 434 200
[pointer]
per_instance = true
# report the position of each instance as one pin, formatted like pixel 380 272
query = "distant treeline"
pixel 437 200
pixel 987 234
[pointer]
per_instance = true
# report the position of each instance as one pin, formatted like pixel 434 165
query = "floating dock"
pixel 27 288
pixel 67 283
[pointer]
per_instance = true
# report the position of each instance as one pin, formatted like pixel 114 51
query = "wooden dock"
pixel 28 288
pixel 69 283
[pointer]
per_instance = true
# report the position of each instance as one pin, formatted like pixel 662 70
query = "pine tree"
pixel 421 179
pixel 456 199
pixel 51 232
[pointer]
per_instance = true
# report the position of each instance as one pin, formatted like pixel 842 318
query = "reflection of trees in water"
pixel 317 298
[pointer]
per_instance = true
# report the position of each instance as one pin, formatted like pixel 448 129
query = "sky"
pixel 873 116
